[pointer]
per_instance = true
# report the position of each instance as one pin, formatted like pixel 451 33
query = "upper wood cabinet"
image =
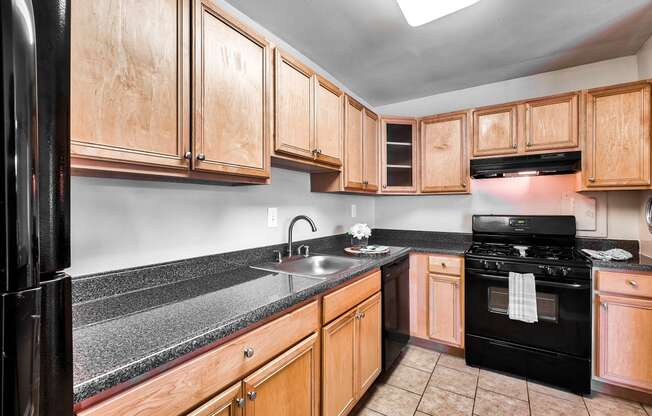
pixel 494 130
pixel 328 122
pixel 552 123
pixel 617 145
pixel 399 153
pixel 444 161
pixel 288 385
pixel 353 144
pixel 231 101
pixel 293 110
pixel 129 89
pixel 370 149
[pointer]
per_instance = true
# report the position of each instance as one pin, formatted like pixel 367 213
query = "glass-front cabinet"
pixel 399 155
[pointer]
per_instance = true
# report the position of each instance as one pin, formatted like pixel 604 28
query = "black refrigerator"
pixel 36 323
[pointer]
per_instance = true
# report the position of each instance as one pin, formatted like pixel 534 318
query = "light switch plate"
pixel 272 217
pixel 354 211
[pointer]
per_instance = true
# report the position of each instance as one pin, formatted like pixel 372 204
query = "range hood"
pixel 529 165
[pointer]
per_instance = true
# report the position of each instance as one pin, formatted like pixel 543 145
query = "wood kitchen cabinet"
pixel 623 316
pixel 231 101
pixel 552 123
pixel 130 88
pixel 437 298
pixel 617 146
pixel 399 155
pixel 353 144
pixel 494 130
pixel 293 107
pixel 227 403
pixel 444 160
pixel 328 122
pixel 288 385
pixel 370 148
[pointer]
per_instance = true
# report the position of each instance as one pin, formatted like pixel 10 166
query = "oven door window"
pixel 547 303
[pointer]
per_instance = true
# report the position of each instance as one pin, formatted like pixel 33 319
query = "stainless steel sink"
pixel 320 266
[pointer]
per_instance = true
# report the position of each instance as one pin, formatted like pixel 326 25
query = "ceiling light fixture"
pixel 419 12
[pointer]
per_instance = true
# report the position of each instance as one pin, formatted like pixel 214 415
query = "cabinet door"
pixel 618 137
pixel 369 340
pixel 444 309
pixel 370 151
pixel 338 363
pixel 288 385
pixel 231 95
pixel 226 403
pixel 443 154
pixel 551 123
pixel 129 89
pixel 294 102
pixel 328 122
pixel 353 153
pixel 494 131
pixel 624 341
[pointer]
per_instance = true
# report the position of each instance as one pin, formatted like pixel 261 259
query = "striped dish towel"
pixel 522 297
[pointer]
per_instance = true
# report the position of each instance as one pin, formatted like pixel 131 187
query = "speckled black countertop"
pixel 129 322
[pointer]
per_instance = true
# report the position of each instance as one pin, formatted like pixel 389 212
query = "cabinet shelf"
pixel 400 166
pixel 398 144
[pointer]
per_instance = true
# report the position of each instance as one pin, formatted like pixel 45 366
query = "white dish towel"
pixel 522 297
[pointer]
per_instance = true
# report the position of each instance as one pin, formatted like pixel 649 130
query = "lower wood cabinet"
pixel 623 317
pixel 444 309
pixel 352 358
pixel 227 403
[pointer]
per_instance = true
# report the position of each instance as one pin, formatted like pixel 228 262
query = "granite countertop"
pixel 638 263
pixel 117 338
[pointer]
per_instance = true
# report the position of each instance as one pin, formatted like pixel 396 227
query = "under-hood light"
pixel 420 12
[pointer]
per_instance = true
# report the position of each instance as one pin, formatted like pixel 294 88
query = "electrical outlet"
pixel 354 211
pixel 272 217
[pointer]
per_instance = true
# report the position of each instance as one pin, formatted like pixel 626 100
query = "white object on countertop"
pixel 617 254
pixel 374 249
pixel 522 297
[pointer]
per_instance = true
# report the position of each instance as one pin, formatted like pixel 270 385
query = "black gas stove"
pixel 557 348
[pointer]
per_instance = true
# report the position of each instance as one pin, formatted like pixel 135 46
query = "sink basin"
pixel 318 265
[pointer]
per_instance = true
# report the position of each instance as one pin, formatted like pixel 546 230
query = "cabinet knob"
pixel 201 156
pixel 188 155
pixel 252 395
pixel 632 283
pixel 443 264
pixel 591 179
pixel 240 402
pixel 604 305
pixel 248 352
pixel 514 146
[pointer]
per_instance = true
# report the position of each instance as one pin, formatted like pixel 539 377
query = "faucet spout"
pixel 291 228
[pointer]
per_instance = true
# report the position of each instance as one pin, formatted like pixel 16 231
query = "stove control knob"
pixel 485 264
pixel 499 265
pixel 565 271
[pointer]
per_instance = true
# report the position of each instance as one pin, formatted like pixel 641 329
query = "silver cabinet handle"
pixel 514 146
pixel 188 155
pixel 604 305
pixel 201 156
pixel 632 283
pixel 240 402
pixel 248 352
pixel 252 395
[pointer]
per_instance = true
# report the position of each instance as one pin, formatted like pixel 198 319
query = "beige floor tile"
pixel 454 381
pixel 420 358
pixel 503 384
pixel 648 409
pixel 488 403
pixel 457 363
pixel 551 391
pixel 441 402
pixel 392 401
pixel 604 405
pixel 420 414
pixel 545 405
pixel 366 412
pixel 408 378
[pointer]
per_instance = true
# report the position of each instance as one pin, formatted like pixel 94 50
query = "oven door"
pixel 564 313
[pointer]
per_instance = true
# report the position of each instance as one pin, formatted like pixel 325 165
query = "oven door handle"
pixel 577 286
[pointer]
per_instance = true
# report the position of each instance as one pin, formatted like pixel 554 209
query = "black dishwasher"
pixel 396 309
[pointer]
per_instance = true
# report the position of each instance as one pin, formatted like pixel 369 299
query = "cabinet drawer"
pixel 445 265
pixel 340 301
pixel 184 387
pixel 625 283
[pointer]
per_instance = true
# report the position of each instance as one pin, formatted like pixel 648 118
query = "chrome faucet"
pixel 294 220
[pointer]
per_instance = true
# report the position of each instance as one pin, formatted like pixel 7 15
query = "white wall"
pixel 618 212
pixel 644 57
pixel 125 223
pixel 597 74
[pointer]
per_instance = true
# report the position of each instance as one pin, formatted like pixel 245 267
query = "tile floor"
pixel 429 383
